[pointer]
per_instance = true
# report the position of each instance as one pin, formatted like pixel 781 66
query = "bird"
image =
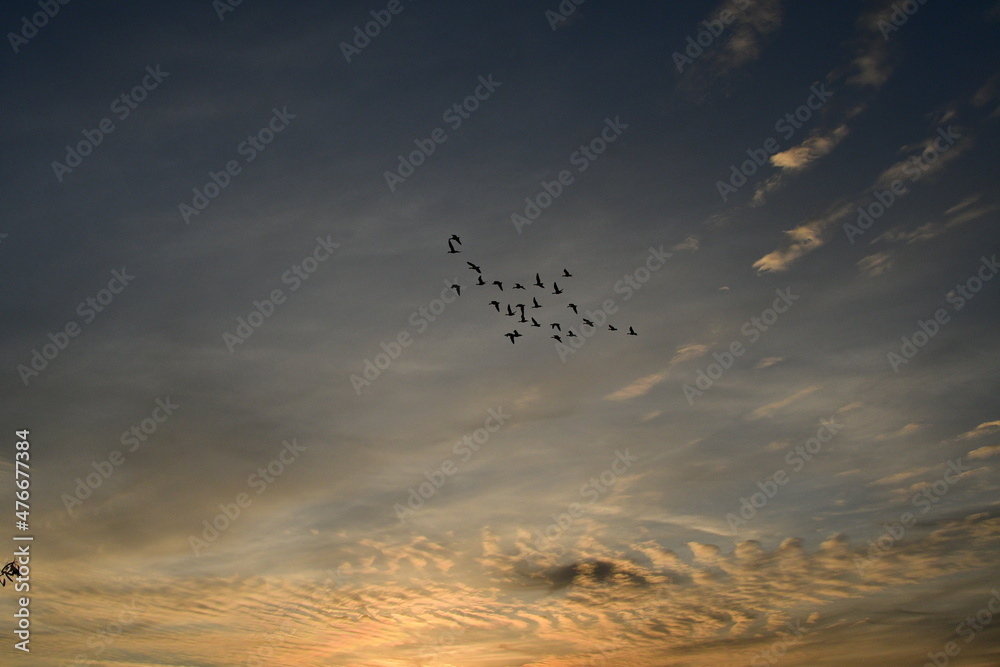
pixel 451 248
pixel 588 322
pixel 474 267
pixel 631 332
pixel 481 281
pixel 454 237
pixel 571 334
pixel 510 313
pixel 555 325
pixel 534 303
pixel 557 338
pixel 534 322
pixel 518 286
pixel 458 289
pixel 495 304
pixel 557 290
pixel 567 274
pixel 498 284
pixel 611 328
pixel 573 306
pixel 512 336
pixel 538 282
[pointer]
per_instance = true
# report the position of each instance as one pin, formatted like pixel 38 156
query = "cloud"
pixel 986 428
pixel 690 244
pixel 818 145
pixel 767 362
pixel 909 429
pixel 688 352
pixel 877 264
pixel 985 452
pixel 637 388
pixel 769 410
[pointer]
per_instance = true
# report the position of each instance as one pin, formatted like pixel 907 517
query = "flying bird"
pixel 538 282
pixel 571 334
pixel 567 274
pixel 510 313
pixel 557 290
pixel 573 306
pixel 534 322
pixel 534 303
pixel 495 304
pixel 454 237
pixel 458 289
pixel 631 332
pixel 557 338
pixel 518 286
pixel 498 284
pixel 481 281
pixel 474 267
pixel 451 247
pixel 555 325
pixel 512 336
pixel 588 322
pixel 611 328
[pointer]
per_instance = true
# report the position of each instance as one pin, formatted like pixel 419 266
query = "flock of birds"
pixel 520 307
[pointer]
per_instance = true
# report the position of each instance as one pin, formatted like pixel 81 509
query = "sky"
pixel 263 427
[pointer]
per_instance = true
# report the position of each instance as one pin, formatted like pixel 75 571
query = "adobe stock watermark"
pixel 969 628
pixel 923 500
pixel 88 310
pixel 565 9
pixel 778 648
pixel 248 149
pixel 31 25
pixel 581 158
pixel 133 439
pixel 363 35
pixel 294 277
pixel 628 285
pixel 796 459
pixel 927 329
pixel 122 106
pixel 223 7
pixel 593 490
pixel 916 166
pixel 454 116
pixel 466 448
pixel 901 13
pixel 752 329
pixel 420 320
pixel 259 481
pixel 787 125
pixel 714 28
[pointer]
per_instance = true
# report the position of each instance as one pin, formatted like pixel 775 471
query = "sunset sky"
pixel 265 430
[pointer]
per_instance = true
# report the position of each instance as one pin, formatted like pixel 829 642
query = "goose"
pixel 474 267
pixel 498 284
pixel 518 286
pixel 556 290
pixel 611 328
pixel 495 304
pixel 458 289
pixel 534 322
pixel 555 325
pixel 567 274
pixel 512 336
pixel 588 323
pixel 573 306
pixel 557 338
pixel 538 282
pixel 534 303
pixel 631 332
pixel 451 248
pixel 481 281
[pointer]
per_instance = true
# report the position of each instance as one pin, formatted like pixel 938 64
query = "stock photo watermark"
pixel 697 44
pixel 248 149
pixel 581 158
pixel 364 34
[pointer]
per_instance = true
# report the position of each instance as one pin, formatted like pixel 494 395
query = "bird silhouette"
pixel 555 325
pixel 631 332
pixel 474 267
pixel 557 338
pixel 495 304
pixel 556 290
pixel 588 322
pixel 451 248
pixel 538 282
pixel 567 274
pixel 481 281
pixel 518 286
pixel 534 322
pixel 534 303
pixel 512 336
pixel 498 284
pixel 611 328
pixel 571 334
pixel 510 313
pixel 573 306
pixel 458 289
pixel 454 237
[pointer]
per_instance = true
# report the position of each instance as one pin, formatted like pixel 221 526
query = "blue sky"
pixel 266 430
